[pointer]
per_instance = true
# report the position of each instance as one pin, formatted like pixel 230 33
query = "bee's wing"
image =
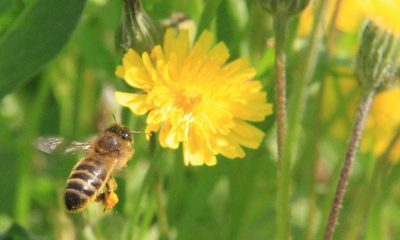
pixel 77 146
pixel 59 144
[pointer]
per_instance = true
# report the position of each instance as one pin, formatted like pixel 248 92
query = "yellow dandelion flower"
pixel 192 96
pixel 384 14
pixel 348 18
pixel 383 121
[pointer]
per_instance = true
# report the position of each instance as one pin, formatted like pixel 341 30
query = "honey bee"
pixel 90 179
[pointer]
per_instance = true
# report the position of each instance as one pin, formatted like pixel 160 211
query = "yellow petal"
pixel 196 152
pixel 138 78
pixel 132 60
pixel 157 53
pixel 169 137
pixel 178 45
pixel 120 71
pixel 151 128
pixel 218 55
pixel 219 144
pixel 133 71
pixel 202 45
pixel 230 149
pixel 246 134
pixel 136 102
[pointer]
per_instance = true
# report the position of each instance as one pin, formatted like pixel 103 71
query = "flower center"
pixel 187 99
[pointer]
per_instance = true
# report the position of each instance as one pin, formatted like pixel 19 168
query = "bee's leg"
pixel 100 197
pixel 109 198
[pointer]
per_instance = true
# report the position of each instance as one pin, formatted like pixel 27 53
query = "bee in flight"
pixel 91 180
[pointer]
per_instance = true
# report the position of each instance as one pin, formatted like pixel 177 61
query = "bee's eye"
pixel 121 132
pixel 125 135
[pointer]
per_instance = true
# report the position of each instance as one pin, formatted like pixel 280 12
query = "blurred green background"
pixel 57 63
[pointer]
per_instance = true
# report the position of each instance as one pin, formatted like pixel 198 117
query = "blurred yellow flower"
pixel 348 19
pixel 384 14
pixel 383 119
pixel 192 96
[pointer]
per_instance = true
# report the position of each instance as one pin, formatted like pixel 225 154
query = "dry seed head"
pixel 284 7
pixel 137 29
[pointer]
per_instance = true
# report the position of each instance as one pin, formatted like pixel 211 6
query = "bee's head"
pixel 121 131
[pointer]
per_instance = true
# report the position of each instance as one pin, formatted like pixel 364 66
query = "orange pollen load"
pixel 112 200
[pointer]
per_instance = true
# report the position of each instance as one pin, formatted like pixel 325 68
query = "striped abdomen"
pixel 84 183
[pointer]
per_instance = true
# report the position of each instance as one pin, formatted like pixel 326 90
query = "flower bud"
pixel 284 7
pixel 377 65
pixel 137 30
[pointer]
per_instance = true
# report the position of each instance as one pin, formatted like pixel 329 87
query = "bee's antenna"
pixel 135 132
pixel 115 119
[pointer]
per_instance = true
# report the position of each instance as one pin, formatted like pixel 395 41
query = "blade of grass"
pixel 134 217
pixel 207 16
pixel 24 168
pixel 196 202
pixel 242 178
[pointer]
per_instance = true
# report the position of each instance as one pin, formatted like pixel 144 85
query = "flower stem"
pixel 161 213
pixel 134 218
pixel 280 29
pixel 283 210
pixel 296 107
pixel 362 115
pixel 148 217
pixel 331 27
pixel 88 233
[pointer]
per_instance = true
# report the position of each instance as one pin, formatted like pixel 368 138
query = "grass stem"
pixel 24 181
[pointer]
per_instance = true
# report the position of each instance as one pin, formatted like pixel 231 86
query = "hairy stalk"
pixel 280 29
pixel 283 210
pixel 362 115
pixel 372 190
pixel 296 108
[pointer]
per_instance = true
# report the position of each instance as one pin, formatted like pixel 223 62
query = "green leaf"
pixel 208 15
pixel 35 38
